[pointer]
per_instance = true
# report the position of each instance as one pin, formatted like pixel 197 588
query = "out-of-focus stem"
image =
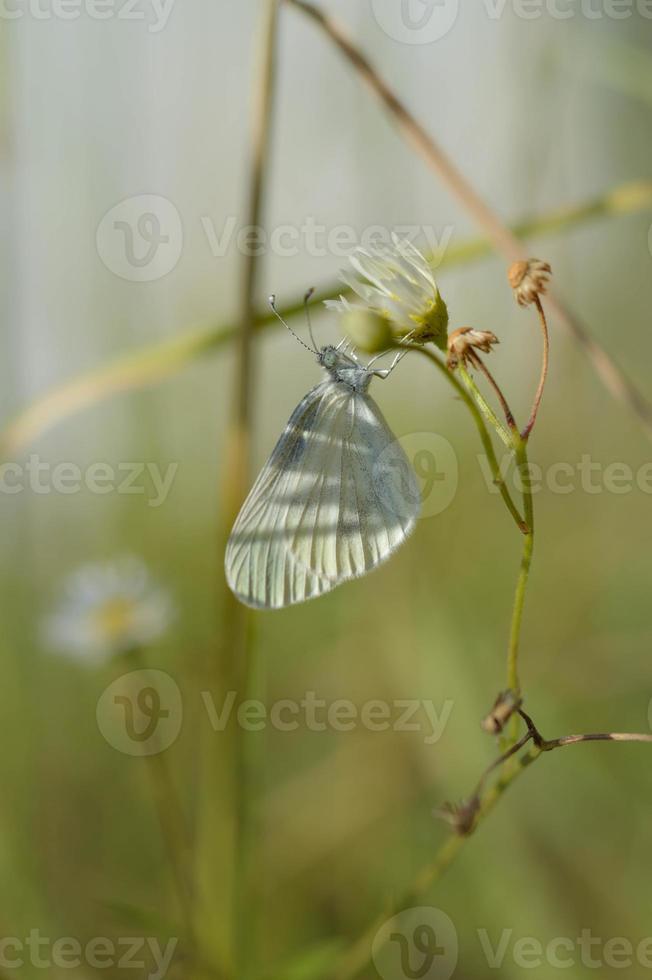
pixel 229 768
pixel 236 637
pixel 171 817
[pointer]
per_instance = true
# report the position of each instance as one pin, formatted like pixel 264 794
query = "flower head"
pixel 462 342
pixel 460 816
pixel 505 705
pixel 529 280
pixel 108 609
pixel 396 283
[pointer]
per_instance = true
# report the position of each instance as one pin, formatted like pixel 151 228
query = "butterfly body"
pixel 335 499
pixel 345 369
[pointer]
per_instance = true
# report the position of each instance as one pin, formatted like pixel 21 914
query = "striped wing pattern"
pixel 336 498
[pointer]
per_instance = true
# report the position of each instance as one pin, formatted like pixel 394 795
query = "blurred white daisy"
pixel 108 608
pixel 396 282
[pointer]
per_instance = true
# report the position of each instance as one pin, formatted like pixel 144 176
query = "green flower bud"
pixel 367 331
pixel 433 325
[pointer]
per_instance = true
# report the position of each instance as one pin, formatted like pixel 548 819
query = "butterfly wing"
pixel 336 497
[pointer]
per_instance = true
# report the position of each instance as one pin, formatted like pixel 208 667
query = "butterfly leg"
pixel 385 372
pixel 345 346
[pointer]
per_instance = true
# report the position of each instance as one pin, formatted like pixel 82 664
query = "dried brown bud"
pixel 529 280
pixel 462 341
pixel 504 707
pixel 460 816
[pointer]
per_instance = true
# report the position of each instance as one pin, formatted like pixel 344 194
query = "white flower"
pixel 107 609
pixel 396 283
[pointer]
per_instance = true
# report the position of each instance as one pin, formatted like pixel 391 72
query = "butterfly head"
pixel 329 357
pixel 344 368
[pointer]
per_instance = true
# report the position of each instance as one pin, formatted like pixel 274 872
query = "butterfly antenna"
pixel 306 301
pixel 272 303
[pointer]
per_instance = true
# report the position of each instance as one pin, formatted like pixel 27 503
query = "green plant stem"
pixel 228 813
pixel 359 954
pixel 545 361
pixel 171 817
pixel 521 522
pixel 236 635
pixel 484 407
pixel 513 680
pixel 509 415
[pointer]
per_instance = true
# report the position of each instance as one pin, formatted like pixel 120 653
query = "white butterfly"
pixel 335 499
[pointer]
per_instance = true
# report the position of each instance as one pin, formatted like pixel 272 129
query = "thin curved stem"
pixel 477 361
pixel 520 522
pixel 484 407
pixel 548 744
pixel 544 370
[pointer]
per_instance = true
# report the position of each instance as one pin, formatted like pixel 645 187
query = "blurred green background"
pixel 539 114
